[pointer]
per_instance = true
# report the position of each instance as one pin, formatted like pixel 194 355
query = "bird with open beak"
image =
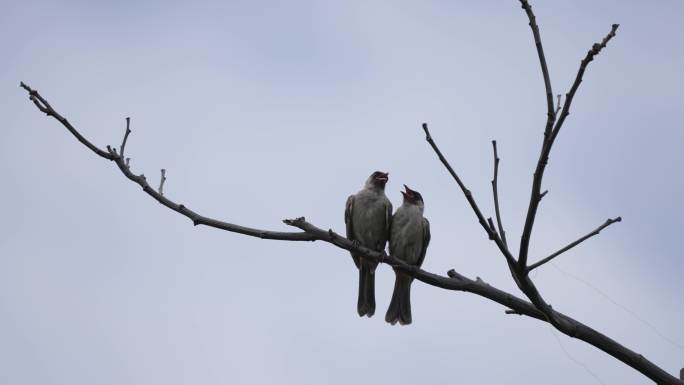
pixel 367 215
pixel 409 239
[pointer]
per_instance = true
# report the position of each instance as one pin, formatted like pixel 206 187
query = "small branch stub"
pixel 161 182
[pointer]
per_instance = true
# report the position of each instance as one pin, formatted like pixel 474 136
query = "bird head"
pixel 412 197
pixel 378 179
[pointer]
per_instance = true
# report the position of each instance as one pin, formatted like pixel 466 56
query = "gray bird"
pixel 409 239
pixel 367 215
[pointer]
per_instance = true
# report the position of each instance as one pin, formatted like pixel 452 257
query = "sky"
pixel 261 111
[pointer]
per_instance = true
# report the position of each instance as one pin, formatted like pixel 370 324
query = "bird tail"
pixel 366 302
pixel 399 309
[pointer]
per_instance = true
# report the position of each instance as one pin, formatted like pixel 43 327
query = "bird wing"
pixel 348 210
pixel 388 219
pixel 426 241
pixel 348 217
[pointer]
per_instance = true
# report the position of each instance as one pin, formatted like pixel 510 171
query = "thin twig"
pixel 45 107
pixel 125 138
pixel 495 192
pixel 596 231
pixel 161 182
pixel 543 194
pixel 591 54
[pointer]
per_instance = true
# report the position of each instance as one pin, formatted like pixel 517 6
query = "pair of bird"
pixel 369 220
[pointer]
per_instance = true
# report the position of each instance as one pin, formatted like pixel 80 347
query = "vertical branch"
pixel 550 112
pixel 125 138
pixel 550 120
pixel 495 192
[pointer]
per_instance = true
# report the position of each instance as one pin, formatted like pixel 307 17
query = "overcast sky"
pixel 267 110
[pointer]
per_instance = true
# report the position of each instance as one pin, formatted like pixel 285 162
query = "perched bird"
pixel 367 215
pixel 409 239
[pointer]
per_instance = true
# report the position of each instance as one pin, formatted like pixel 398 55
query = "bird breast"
pixel 369 221
pixel 406 235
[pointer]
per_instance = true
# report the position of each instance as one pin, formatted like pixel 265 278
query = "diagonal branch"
pixel 591 54
pixel 596 231
pixel 123 165
pixel 495 192
pixel 45 107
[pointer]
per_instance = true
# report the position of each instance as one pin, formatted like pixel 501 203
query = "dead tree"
pixel 535 306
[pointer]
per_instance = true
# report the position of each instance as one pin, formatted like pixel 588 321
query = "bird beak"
pixel 408 194
pixel 384 177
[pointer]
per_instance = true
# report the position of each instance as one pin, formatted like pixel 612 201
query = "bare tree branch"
pixel 124 166
pixel 45 107
pixel 546 148
pixel 495 192
pixel 454 281
pixel 595 50
pixel 519 271
pixel 575 243
pixel 550 113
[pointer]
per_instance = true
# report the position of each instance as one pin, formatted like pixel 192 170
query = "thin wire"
pixel 571 358
pixel 565 351
pixel 623 307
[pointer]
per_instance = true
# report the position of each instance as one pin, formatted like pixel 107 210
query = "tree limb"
pixel 573 244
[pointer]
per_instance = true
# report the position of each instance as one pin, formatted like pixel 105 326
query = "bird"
pixel 408 242
pixel 367 216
